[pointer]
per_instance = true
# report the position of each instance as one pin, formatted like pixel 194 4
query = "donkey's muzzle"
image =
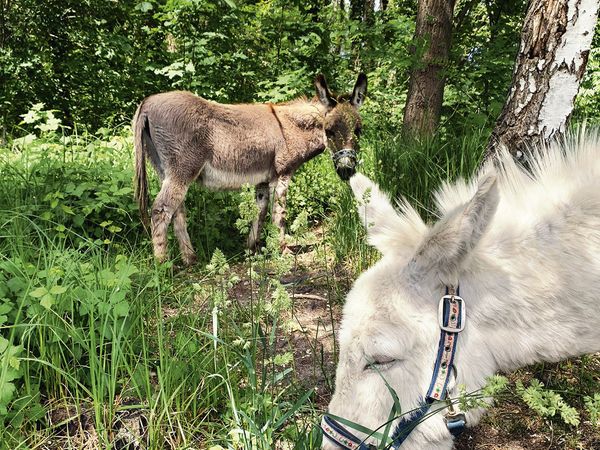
pixel 345 163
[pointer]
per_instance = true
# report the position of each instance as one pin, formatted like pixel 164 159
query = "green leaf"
pixel 121 309
pixel 39 292
pixel 78 220
pixel 16 284
pixel 144 6
pixel 47 301
pixel 67 209
pixel 293 409
pixel 56 290
pixel 569 414
pixel 593 407
pixel 3 345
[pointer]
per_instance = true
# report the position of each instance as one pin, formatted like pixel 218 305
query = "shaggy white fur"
pixel 525 249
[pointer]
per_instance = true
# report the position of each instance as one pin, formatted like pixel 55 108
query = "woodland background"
pixel 94 60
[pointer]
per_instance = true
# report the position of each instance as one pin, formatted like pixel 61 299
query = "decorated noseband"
pixel 345 153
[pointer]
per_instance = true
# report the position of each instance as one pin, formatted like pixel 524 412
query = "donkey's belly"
pixel 214 178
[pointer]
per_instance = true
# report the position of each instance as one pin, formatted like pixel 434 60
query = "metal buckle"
pixel 463 313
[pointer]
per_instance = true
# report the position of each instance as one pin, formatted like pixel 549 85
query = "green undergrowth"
pixel 90 325
pixel 402 167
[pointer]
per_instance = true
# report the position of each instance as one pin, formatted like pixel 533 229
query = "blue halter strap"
pixel 451 319
pixel 335 432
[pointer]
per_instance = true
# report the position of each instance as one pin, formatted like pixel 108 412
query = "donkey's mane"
pixel 299 100
pixel 557 173
pixel 340 98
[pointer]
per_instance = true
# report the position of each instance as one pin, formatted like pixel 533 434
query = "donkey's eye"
pixel 357 132
pixel 329 133
pixel 380 363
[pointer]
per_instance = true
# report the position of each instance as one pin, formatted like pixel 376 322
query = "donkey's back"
pixel 223 146
pixel 542 245
pixel 187 139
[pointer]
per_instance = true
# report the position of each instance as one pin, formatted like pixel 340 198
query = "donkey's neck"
pixel 302 118
pixel 530 301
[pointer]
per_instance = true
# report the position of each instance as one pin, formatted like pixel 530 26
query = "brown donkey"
pixel 188 138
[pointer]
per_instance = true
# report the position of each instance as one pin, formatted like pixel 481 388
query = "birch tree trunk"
pixel 426 86
pixel 555 44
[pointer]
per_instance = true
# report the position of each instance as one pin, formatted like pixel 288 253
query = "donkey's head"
pixel 389 333
pixel 342 123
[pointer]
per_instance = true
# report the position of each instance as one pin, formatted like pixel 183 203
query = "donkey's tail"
pixel 140 180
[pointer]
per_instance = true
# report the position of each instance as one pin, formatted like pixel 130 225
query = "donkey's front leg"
pixel 262 201
pixel 279 211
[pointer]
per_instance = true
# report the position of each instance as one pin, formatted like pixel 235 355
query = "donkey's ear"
pixel 360 91
pixel 387 230
pixel 323 91
pixel 453 237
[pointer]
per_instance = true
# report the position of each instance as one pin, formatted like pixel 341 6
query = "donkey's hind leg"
pixel 262 201
pixel 185 244
pixel 168 200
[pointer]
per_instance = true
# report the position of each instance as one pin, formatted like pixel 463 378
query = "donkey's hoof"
pixel 161 259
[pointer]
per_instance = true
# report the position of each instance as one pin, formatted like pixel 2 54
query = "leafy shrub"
pixel 547 403
pixel 313 189
pixel 76 183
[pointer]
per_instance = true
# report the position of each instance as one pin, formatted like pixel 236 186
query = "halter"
pixel 344 153
pixel 451 319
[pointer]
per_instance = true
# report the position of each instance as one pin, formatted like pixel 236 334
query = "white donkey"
pixel 525 252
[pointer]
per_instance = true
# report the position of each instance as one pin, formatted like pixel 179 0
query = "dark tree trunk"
pixel 314 10
pixel 426 87
pixel 4 11
pixel 463 13
pixel 369 12
pixel 555 43
pixel 363 11
pixel 356 9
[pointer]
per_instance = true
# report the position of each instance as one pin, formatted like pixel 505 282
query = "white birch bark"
pixel 555 44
